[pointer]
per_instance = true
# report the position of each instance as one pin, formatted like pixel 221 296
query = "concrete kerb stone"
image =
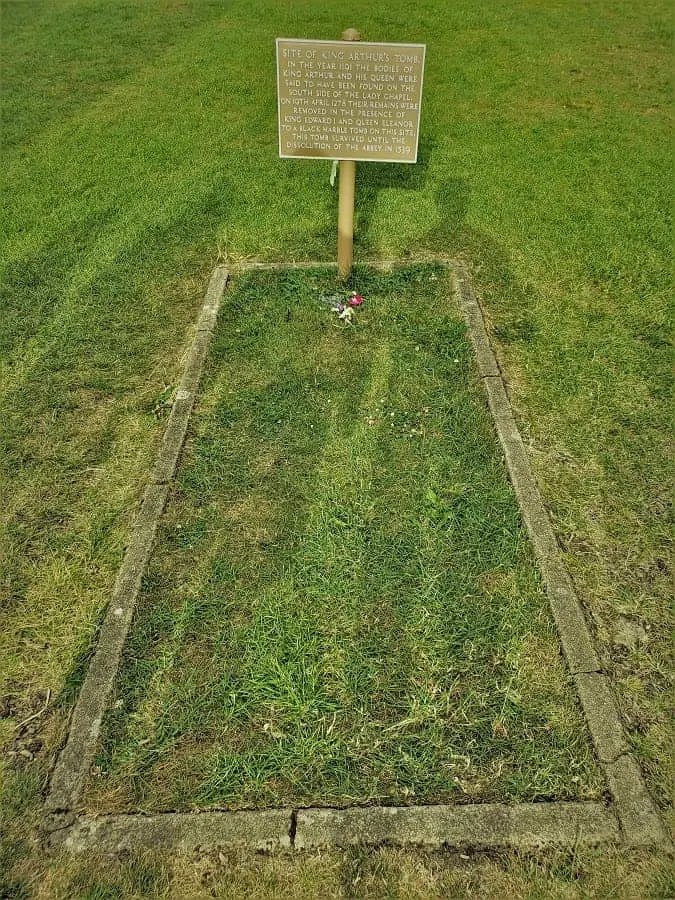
pixel 186 832
pixel 525 826
pixel 214 292
pixel 174 438
pixel 176 429
pixel 77 756
pixel 75 759
pixel 573 631
pixel 485 358
pixel 640 822
pixel 195 362
pixel 601 715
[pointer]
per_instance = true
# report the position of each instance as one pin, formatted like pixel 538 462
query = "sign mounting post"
pixel 346 191
pixel 349 100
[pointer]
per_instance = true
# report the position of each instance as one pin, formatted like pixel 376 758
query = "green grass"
pixel 139 146
pixel 342 606
pixel 361 874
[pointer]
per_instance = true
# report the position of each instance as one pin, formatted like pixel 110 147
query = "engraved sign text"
pixel 349 99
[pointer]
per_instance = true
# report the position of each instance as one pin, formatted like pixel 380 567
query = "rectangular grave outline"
pixel 629 818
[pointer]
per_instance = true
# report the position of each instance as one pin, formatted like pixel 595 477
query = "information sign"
pixel 349 100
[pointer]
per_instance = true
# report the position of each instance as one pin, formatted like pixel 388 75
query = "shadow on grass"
pixel 371 180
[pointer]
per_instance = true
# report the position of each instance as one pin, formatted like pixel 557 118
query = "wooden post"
pixel 347 186
pixel 346 216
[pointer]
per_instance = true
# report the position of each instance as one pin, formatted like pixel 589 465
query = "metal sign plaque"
pixel 349 100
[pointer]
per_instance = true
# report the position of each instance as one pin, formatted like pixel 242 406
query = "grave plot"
pixel 342 607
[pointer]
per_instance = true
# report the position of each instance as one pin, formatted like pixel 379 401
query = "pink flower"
pixel 355 299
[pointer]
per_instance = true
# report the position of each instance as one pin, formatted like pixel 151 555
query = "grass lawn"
pixel 139 147
pixel 343 606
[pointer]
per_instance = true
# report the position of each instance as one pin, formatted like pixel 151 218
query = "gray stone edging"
pixel 519 826
pixel 74 761
pixel 267 829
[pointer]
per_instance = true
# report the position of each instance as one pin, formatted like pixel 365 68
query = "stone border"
pixel 268 829
pixel 74 761
pixel 631 819
pixel 522 826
